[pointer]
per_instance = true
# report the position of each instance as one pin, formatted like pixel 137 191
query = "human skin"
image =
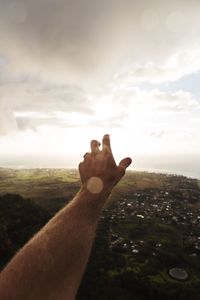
pixel 51 265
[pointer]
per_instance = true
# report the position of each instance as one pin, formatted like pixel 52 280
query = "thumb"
pixel 124 163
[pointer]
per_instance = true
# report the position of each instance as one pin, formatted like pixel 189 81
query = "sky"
pixel 73 70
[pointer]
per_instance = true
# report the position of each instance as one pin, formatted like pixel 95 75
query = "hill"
pixel 20 219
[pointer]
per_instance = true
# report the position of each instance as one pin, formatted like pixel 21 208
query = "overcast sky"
pixel 72 70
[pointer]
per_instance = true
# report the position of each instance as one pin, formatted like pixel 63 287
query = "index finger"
pixel 106 142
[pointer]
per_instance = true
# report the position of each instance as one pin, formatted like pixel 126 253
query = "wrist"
pixel 96 188
pixel 91 203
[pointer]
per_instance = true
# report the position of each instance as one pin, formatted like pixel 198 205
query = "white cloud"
pixel 177 101
pixel 7 120
pixel 177 65
pixel 128 96
pixel 90 40
pixel 28 104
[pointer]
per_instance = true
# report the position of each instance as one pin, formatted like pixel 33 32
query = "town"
pixel 165 206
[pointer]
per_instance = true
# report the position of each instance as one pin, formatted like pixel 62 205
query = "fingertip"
pixel 106 136
pixel 129 161
pixel 106 142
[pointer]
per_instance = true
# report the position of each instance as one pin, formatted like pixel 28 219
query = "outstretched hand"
pixel 99 171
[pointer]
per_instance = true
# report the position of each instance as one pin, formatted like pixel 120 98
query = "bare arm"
pixel 51 265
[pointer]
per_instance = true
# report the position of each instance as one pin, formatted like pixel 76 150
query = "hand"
pixel 99 171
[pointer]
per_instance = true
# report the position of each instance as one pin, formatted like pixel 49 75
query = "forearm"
pixel 51 265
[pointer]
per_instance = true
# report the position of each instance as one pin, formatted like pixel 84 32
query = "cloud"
pixel 155 100
pixel 158 134
pixel 177 65
pixel 92 39
pixel 115 120
pixel 58 37
pixel 7 120
pixel 27 104
pixel 58 60
pixel 179 101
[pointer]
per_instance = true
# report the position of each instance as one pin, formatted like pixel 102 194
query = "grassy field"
pixel 38 184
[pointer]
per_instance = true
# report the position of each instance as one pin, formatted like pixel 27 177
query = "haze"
pixel 73 70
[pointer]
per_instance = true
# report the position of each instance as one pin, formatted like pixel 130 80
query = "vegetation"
pixel 151 226
pixel 19 220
